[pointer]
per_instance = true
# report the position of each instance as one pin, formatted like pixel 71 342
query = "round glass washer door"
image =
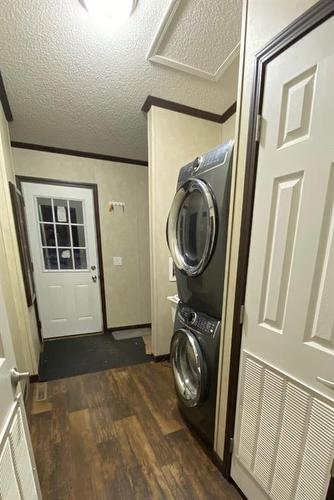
pixel 191 227
pixel 188 366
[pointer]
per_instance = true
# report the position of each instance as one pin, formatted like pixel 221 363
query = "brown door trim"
pixel 41 180
pixel 308 21
pixel 4 101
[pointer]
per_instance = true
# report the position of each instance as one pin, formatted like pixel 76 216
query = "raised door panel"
pixel 84 302
pixel 320 320
pixel 57 304
pixel 279 249
pixel 296 108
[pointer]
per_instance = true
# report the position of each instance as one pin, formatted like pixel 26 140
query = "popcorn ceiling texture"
pixel 203 33
pixel 72 85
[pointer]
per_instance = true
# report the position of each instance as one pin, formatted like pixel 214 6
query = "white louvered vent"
pixel 9 489
pixel 21 458
pixel 285 433
pixel 250 411
pixel 318 452
pixel 295 412
pixel 273 389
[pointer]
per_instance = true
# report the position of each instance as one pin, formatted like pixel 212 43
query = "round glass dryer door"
pixel 191 227
pixel 188 366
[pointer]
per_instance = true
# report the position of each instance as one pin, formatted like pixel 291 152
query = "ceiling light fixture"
pixel 110 13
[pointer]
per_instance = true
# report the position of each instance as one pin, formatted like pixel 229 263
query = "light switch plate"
pixel 117 261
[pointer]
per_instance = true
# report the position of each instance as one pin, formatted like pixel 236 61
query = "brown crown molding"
pixel 4 101
pixel 188 110
pixel 73 152
pixel 229 112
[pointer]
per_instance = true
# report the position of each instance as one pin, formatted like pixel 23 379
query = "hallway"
pixel 117 434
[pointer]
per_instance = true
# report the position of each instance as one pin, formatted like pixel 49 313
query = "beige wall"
pixel 123 234
pixel 262 20
pixel 21 319
pixel 228 129
pixel 174 140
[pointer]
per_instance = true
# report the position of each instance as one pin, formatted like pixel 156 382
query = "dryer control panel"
pixel 200 322
pixel 220 155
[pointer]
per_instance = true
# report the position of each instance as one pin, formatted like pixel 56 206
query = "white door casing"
pixel 62 239
pixel 284 438
pixel 18 476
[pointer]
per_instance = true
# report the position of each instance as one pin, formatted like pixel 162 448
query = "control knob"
pixel 192 318
pixel 197 163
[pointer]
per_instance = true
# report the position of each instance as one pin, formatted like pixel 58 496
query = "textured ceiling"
pixel 197 36
pixel 73 85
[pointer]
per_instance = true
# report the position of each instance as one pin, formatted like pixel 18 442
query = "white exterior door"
pixel 62 238
pixel 18 477
pixel 284 438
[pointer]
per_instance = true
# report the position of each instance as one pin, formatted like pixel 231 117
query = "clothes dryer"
pixel 197 229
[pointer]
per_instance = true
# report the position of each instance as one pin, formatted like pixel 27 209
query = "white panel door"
pixel 18 476
pixel 62 238
pixel 284 438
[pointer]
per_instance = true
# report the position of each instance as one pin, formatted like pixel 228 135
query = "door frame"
pixel 93 187
pixel 309 20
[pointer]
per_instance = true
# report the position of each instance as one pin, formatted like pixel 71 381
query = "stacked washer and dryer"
pixel 197 235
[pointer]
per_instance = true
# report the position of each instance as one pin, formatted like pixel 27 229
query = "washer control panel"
pixel 205 325
pixel 198 321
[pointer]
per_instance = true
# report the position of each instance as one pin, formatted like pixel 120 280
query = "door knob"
pixel 94 278
pixel 16 376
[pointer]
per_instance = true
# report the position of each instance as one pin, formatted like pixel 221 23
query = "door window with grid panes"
pixel 62 234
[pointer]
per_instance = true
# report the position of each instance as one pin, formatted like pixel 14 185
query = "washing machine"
pixel 197 229
pixel 194 358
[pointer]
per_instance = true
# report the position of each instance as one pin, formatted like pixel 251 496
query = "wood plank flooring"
pixel 118 434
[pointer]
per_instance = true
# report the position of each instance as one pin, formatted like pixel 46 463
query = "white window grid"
pixel 69 223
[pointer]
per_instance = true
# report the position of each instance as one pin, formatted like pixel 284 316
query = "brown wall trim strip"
pixel 188 110
pixel 308 21
pixel 4 101
pixel 161 358
pixel 73 152
pixel 129 327
pixel 229 112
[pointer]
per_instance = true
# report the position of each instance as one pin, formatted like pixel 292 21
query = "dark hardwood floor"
pixel 118 434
